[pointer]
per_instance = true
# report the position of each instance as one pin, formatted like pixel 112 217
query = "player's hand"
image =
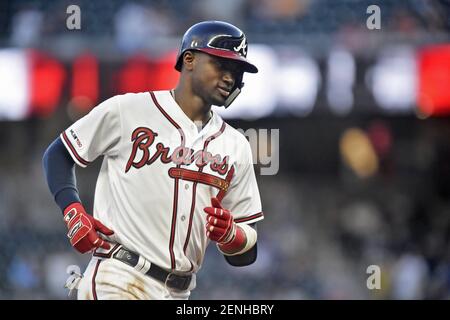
pixel 83 229
pixel 220 227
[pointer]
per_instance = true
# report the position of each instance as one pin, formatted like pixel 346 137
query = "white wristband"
pixel 251 236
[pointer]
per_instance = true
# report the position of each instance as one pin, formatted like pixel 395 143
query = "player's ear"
pixel 188 60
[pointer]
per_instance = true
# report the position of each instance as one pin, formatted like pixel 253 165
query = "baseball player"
pixel 174 177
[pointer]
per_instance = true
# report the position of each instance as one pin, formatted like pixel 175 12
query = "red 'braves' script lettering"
pixel 143 138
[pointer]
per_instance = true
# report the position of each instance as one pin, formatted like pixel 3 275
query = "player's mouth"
pixel 223 91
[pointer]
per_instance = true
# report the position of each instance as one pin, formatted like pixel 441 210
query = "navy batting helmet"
pixel 216 38
pixel 219 39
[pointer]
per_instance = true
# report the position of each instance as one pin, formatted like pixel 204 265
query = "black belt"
pixel 171 280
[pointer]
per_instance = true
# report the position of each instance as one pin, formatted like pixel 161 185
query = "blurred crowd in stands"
pixel 135 24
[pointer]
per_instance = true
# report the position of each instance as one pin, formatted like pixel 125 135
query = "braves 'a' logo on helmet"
pixel 242 47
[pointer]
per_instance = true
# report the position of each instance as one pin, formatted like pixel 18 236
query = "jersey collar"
pixel 169 104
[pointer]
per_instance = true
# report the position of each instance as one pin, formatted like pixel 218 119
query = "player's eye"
pixel 224 65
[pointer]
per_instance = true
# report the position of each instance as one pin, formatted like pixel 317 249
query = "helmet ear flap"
pixel 233 95
pixel 235 91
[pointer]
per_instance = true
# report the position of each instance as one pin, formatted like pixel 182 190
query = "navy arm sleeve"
pixel 245 259
pixel 59 169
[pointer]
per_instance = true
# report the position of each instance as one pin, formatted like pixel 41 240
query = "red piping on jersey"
pixel 228 179
pixel 175 195
pixel 183 139
pixel 194 191
pixel 94 293
pixel 253 216
pixel 206 178
pixel 215 135
pixel 174 223
pixel 74 151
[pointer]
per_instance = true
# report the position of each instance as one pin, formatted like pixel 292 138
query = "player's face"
pixel 214 77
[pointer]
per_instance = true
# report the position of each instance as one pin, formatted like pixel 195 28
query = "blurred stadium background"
pixel 364 148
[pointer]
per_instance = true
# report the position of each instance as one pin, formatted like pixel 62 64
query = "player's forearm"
pixel 59 171
pixel 244 259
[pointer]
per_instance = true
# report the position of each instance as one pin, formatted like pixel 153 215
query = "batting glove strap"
pixel 230 236
pixel 83 229
pixel 77 222
pixel 244 239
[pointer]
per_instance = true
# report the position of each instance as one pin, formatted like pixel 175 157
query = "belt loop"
pixel 143 265
pixel 140 264
pixel 165 282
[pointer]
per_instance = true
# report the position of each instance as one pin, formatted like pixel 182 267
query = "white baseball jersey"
pixel 159 172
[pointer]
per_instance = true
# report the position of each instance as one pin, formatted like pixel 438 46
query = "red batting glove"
pixel 83 229
pixel 220 227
